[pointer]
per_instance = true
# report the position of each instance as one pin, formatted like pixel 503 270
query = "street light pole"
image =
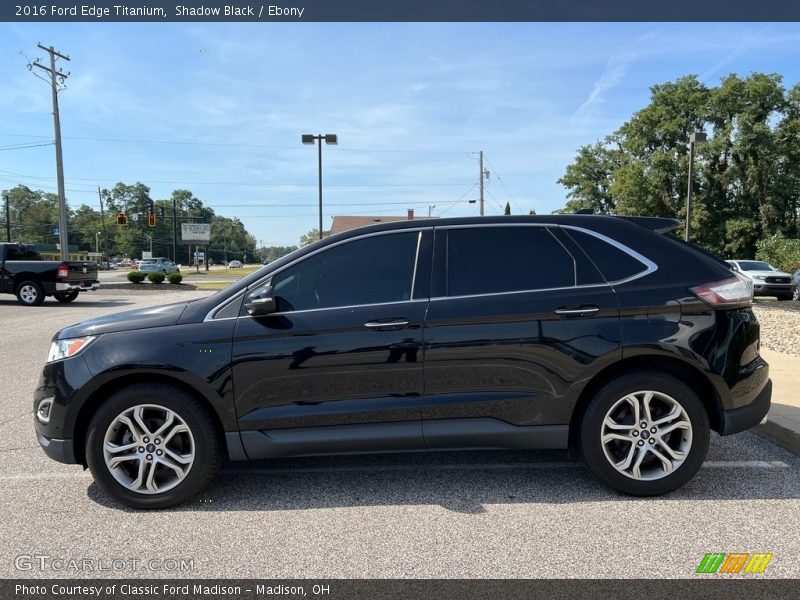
pixel 698 136
pixel 332 139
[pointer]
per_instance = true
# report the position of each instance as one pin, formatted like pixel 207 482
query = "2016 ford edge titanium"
pixel 600 334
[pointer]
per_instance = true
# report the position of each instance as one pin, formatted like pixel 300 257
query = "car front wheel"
pixel 645 434
pixel 152 446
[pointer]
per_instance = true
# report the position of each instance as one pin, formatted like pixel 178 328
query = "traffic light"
pixel 151 220
pixel 122 219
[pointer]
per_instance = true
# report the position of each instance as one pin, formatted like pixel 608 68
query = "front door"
pixel 338 367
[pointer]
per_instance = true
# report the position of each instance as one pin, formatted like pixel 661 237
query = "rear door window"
pixel 490 260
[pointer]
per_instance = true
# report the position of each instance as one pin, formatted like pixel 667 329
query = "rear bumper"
pixel 72 287
pixel 61 450
pixel 750 415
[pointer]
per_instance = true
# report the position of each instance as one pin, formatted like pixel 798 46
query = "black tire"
pixel 30 293
pixel 591 427
pixel 796 293
pixel 65 297
pixel 208 451
pixel 164 272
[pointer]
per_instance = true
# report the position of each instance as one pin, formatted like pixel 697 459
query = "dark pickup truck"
pixel 31 279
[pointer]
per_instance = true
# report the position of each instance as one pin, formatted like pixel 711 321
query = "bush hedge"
pixel 156 277
pixel 782 252
pixel 175 278
pixel 136 277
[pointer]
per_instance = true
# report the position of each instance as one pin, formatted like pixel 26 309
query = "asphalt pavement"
pixel 470 514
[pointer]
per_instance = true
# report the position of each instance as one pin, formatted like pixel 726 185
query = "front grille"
pixel 777 280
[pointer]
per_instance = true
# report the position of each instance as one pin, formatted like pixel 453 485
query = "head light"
pixel 68 348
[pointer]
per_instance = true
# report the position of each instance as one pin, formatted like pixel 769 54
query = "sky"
pixel 219 109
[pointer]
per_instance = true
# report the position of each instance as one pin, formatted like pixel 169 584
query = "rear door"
pixel 519 319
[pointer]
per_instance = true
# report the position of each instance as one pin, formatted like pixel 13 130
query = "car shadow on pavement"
pixel 466 482
pixel 77 304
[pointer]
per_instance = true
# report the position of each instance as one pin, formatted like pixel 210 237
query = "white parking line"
pixel 711 464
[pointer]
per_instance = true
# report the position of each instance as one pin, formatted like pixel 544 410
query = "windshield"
pixel 755 265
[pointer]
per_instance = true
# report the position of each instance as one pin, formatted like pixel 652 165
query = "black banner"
pixel 399 10
pixel 714 587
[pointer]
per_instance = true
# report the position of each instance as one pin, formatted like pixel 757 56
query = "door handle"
pixel 389 324
pixel 577 311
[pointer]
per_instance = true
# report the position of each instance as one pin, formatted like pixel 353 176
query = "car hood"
pixel 141 318
pixel 752 274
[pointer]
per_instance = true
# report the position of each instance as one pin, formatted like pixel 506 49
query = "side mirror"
pixel 260 302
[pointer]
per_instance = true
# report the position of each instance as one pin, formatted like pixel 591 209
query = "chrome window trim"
pixel 219 307
pixel 349 306
pixel 269 277
pixel 650 266
pixel 416 263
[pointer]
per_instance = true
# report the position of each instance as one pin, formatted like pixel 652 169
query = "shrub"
pixel 135 277
pixel 175 278
pixel 156 277
pixel 782 252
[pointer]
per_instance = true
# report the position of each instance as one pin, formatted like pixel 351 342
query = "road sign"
pixel 196 232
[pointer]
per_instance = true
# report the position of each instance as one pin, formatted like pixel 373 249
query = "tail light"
pixel 63 270
pixel 728 292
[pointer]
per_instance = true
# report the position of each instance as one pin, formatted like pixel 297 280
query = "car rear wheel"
pixel 152 446
pixel 65 297
pixel 645 434
pixel 30 293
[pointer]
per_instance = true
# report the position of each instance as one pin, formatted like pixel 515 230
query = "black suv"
pixel 604 335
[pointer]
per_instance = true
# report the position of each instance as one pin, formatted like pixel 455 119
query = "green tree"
pixel 312 236
pixel 747 175
pixel 507 210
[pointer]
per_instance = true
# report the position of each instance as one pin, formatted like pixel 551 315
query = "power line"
pixel 238 145
pixel 508 191
pixel 23 146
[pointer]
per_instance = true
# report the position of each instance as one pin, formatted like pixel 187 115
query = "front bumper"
pixel 60 450
pixel 750 415
pixel 771 289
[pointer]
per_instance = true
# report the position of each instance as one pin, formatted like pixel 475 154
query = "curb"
pixel 778 434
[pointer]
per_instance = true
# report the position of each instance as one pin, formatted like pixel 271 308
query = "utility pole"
pixel 484 176
pixel 103 221
pixel 56 78
pixel 8 218
pixel 175 230
pixel 697 136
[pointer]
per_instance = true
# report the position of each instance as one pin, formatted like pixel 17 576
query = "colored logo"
pixel 736 562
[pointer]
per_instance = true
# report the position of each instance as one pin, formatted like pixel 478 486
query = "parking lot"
pixel 473 515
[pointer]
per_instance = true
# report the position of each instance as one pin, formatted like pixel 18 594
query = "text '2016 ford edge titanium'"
pixel 599 334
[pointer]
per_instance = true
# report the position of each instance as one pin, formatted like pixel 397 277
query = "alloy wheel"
pixel 149 449
pixel 646 435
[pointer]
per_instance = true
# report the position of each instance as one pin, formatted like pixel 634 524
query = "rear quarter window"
pixel 615 264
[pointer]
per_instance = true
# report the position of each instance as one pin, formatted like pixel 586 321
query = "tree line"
pixel 746 175
pixel 33 218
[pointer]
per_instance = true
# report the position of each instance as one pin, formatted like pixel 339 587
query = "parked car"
pixel 124 263
pixel 235 264
pixel 767 280
pixel 593 333
pixel 31 279
pixel 158 265
pixel 796 284
pixel 107 266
